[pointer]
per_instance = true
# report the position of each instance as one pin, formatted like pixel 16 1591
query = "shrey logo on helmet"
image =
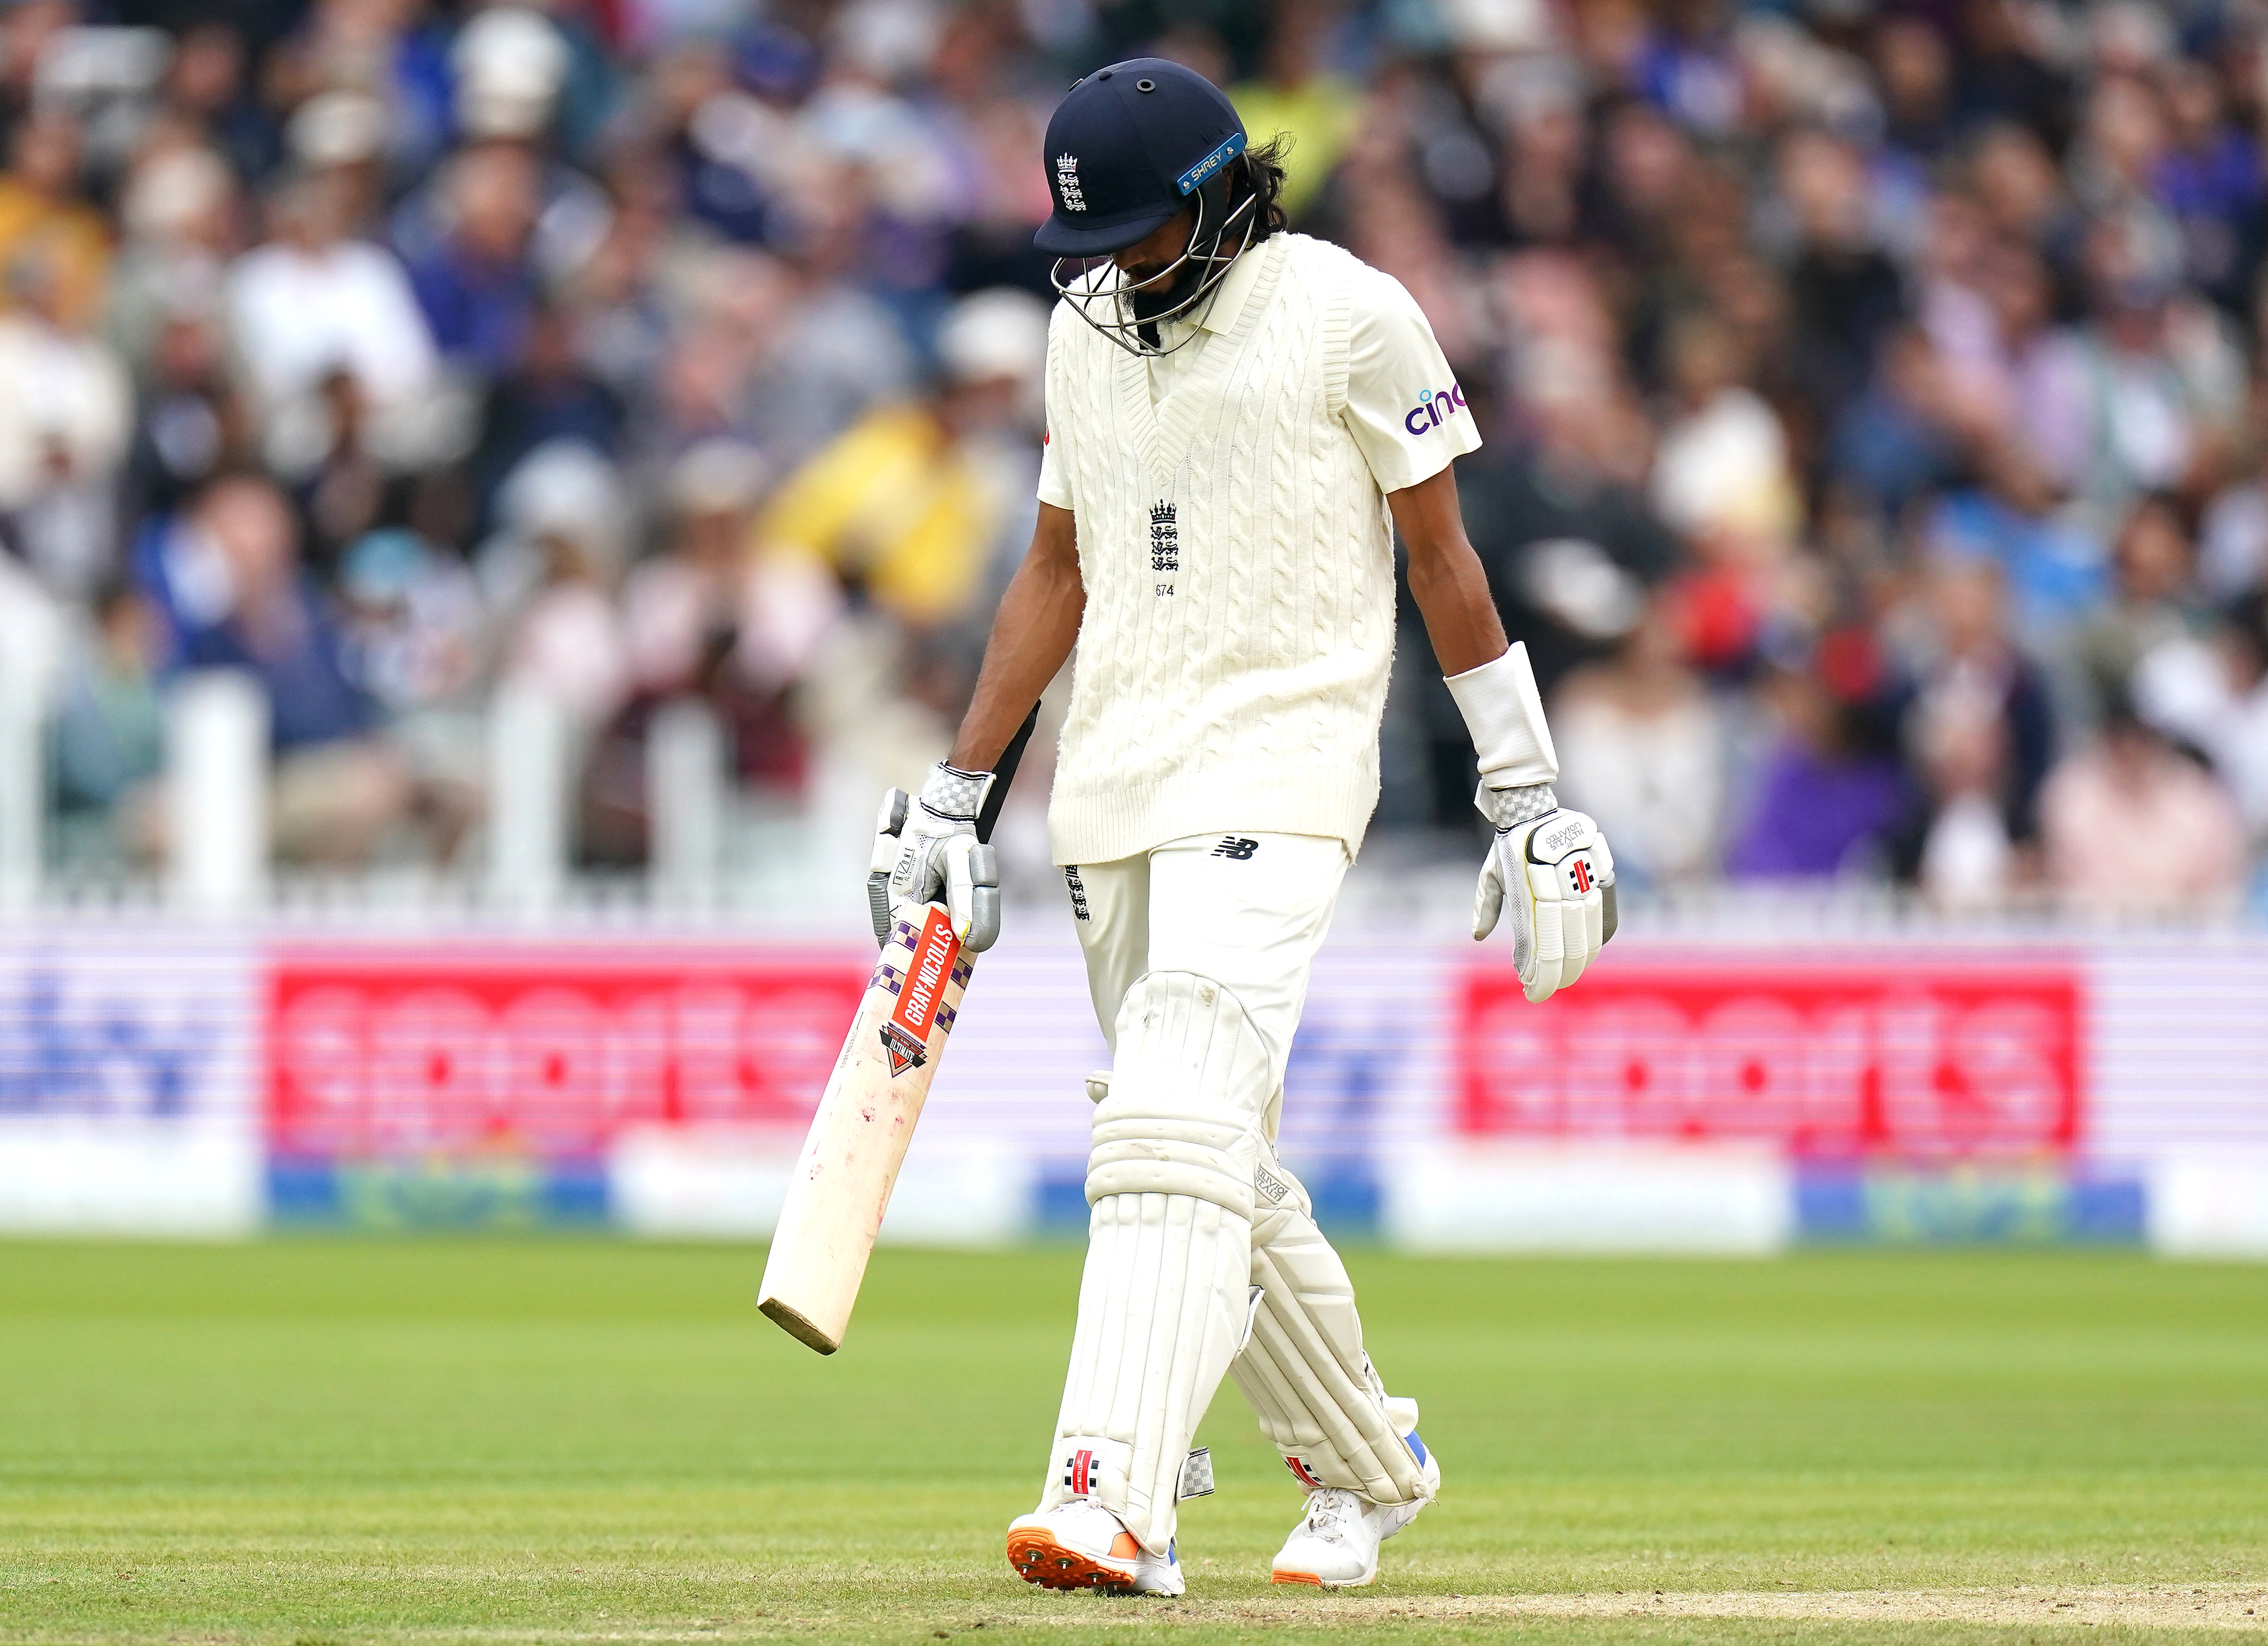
pixel 1067 182
pixel 1432 406
pixel 1194 178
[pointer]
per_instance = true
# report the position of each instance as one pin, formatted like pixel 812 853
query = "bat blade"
pixel 859 1135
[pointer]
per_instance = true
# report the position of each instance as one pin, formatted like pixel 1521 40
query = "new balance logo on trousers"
pixel 1237 846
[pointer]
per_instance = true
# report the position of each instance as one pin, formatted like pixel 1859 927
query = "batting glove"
pixel 926 851
pixel 1552 866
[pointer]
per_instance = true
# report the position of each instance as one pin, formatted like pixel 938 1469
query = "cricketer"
pixel 1239 419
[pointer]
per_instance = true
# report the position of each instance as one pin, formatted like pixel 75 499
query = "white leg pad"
pixel 1163 1302
pixel 1305 1372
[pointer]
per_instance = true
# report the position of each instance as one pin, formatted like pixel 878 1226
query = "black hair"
pixel 1265 171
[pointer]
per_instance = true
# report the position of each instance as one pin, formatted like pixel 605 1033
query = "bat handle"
pixel 877 906
pixel 887 826
pixel 1003 774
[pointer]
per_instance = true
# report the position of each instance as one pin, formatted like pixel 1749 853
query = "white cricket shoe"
pixel 1082 1544
pixel 1335 1546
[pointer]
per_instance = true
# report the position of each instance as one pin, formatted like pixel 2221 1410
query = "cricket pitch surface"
pixel 309 1442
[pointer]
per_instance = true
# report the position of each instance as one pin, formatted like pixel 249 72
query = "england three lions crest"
pixel 1067 183
pixel 1165 546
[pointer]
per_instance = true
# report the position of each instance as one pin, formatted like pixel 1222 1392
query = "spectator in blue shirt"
pixel 228 576
pixel 478 286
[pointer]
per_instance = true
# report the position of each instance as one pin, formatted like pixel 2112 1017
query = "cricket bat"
pixel 866 1116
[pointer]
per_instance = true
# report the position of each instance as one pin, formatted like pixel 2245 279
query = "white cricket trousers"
pixel 1203 1258
pixel 1247 911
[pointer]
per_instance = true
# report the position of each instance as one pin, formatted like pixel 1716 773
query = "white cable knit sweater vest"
pixel 1231 663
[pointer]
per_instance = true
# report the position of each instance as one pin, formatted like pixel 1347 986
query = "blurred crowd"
pixel 1872 388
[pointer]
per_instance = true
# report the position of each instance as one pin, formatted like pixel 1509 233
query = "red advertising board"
pixel 385 1051
pixel 1837 1059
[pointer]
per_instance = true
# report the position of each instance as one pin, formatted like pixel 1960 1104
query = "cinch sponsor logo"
pixel 1432 406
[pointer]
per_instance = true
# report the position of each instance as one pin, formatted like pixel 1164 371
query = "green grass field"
pixel 317 1441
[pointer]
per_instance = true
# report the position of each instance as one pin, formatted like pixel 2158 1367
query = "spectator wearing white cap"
pixel 66 409
pixel 313 301
pixel 344 133
pixel 531 73
pixel 677 603
pixel 509 63
pixel 552 568
pixel 178 208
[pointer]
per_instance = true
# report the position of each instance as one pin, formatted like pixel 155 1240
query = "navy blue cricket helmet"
pixel 1127 148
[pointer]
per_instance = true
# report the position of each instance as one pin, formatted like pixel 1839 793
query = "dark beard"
pixel 1151 303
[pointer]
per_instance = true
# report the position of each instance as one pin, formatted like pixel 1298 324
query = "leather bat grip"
pixel 895 805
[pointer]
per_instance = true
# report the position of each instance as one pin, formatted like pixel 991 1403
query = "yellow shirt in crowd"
pixel 1319 115
pixel 890 503
pixel 69 235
